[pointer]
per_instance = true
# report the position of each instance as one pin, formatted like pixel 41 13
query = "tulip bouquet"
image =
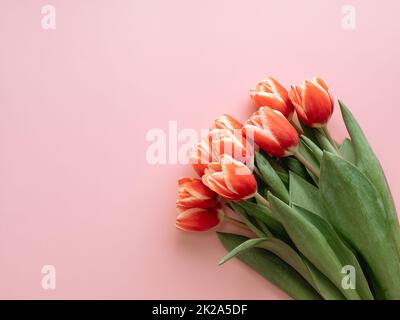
pixel 317 216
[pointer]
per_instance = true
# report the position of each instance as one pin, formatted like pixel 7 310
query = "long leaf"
pixel 322 284
pixel 347 151
pixel 271 177
pixel 265 215
pixel 300 263
pixel 248 244
pixel 356 210
pixel 308 153
pixel 341 249
pixel 368 163
pixel 298 168
pixel 271 268
pixel 317 152
pixel 319 243
pixel 250 221
pixel 305 195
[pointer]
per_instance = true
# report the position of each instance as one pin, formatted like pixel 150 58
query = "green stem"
pixel 263 201
pixel 235 222
pixel 298 129
pixel 252 227
pixel 307 164
pixel 330 138
pixel 264 228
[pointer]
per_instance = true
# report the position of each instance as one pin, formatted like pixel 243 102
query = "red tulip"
pixel 197 219
pixel 193 193
pixel 270 93
pixel 272 132
pixel 227 122
pixel 313 102
pixel 217 143
pixel 230 178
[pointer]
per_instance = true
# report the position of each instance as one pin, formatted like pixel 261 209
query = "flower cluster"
pixel 321 220
pixel 223 159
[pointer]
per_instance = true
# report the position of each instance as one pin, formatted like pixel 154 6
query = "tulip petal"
pixel 317 104
pixel 199 190
pixel 183 180
pixel 227 122
pixel 216 182
pixel 323 85
pixel 281 129
pixel 192 193
pixel 238 177
pixel 196 219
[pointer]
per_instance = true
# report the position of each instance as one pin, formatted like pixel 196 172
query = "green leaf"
pixel 355 209
pixel 343 252
pixel 271 268
pixel 315 278
pixel 320 244
pixel 323 285
pixel 347 151
pixel 310 133
pixel 271 177
pixel 297 167
pixel 324 141
pixel 305 195
pixel 248 244
pixel 284 251
pixel 278 165
pixel 317 152
pixel 265 215
pixel 309 155
pixel 368 163
pixel 250 221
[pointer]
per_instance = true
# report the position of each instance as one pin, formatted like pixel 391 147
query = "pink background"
pixel 76 190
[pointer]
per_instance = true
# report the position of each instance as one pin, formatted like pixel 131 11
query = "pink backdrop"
pixel 76 103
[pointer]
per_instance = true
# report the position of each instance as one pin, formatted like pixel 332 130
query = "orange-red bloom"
pixel 217 143
pixel 313 102
pixel 197 219
pixel 193 193
pixel 197 206
pixel 272 132
pixel 227 122
pixel 230 178
pixel 270 93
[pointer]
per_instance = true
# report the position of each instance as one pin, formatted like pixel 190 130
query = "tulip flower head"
pixel 313 102
pixel 193 193
pixel 197 206
pixel 230 178
pixel 270 93
pixel 217 143
pixel 272 132
pixel 227 122
pixel 198 219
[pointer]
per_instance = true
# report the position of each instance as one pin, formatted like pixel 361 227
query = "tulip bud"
pixel 197 206
pixel 217 143
pixel 272 132
pixel 270 93
pixel 198 219
pixel 227 122
pixel 230 178
pixel 193 193
pixel 313 102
